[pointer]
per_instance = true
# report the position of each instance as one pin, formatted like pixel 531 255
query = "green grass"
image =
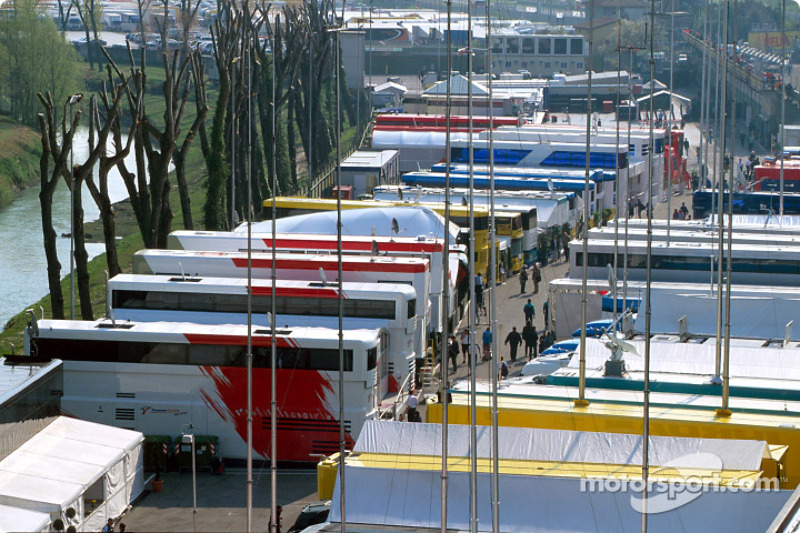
pixel 19 165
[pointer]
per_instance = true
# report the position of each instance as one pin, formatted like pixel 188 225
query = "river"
pixel 23 268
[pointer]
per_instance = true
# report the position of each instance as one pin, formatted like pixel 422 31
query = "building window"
pixel 528 45
pixel 560 46
pixel 576 47
pixel 497 46
pixel 544 46
pixel 564 65
pixel 512 46
pixel 547 65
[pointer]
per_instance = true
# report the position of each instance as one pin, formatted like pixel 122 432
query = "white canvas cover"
pixel 698 359
pixel 751 316
pixel 412 499
pixel 413 221
pixel 71 461
pixel 531 444
pixel 17 519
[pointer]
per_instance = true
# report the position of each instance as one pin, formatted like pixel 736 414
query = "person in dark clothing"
pixel 523 279
pixel 546 313
pixel 452 353
pixel 530 311
pixel 531 338
pixel 503 369
pixel 513 339
pixel 536 274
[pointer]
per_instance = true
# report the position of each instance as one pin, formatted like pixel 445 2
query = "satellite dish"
pixel 400 193
pixel 322 276
pixel 269 319
pixel 550 184
pixel 395 226
pixel 374 231
pixel 375 249
pixel 618 346
pixel 464 201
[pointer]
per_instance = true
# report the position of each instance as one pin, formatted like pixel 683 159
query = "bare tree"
pixel 98 141
pixel 99 190
pixel 155 146
pixel 179 159
pixel 57 149
pixel 226 39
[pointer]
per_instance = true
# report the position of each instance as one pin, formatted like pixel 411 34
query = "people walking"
pixel 487 344
pixel 546 313
pixel 536 274
pixel 523 279
pixel 530 311
pixel 531 338
pixel 513 339
pixel 452 353
pixel 465 342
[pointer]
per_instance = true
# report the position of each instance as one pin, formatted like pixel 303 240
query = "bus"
pixel 292 266
pixel 206 300
pixel 527 204
pixel 427 247
pixel 710 235
pixel 537 154
pixel 509 225
pixel 398 121
pixel 768 176
pixel 287 206
pixel 691 262
pixel 484 183
pixel 158 377
pixel 603 182
pixel 745 203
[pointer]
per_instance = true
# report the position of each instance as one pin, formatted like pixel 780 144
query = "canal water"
pixel 23 268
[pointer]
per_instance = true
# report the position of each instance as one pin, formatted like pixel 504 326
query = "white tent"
pixel 412 221
pixel 533 444
pixel 94 469
pixel 762 317
pixel 699 359
pixel 411 499
pixel 16 519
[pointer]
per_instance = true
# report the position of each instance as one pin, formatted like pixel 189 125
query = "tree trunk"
pixel 48 232
pixel 81 256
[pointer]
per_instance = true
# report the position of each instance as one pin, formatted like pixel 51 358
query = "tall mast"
pixel 720 171
pixel 446 280
pixel 273 426
pixel 673 152
pixel 783 96
pixel 473 413
pixel 246 44
pixel 648 263
pixel 337 66
pixel 581 401
pixel 703 106
pixel 619 181
pixel 492 281
pixel 725 411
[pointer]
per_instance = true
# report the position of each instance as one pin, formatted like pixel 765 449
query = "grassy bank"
pixel 19 164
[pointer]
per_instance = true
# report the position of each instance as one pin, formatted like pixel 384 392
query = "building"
pixel 365 169
pixel 539 54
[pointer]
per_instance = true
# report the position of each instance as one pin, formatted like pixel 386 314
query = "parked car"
pixel 313 513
